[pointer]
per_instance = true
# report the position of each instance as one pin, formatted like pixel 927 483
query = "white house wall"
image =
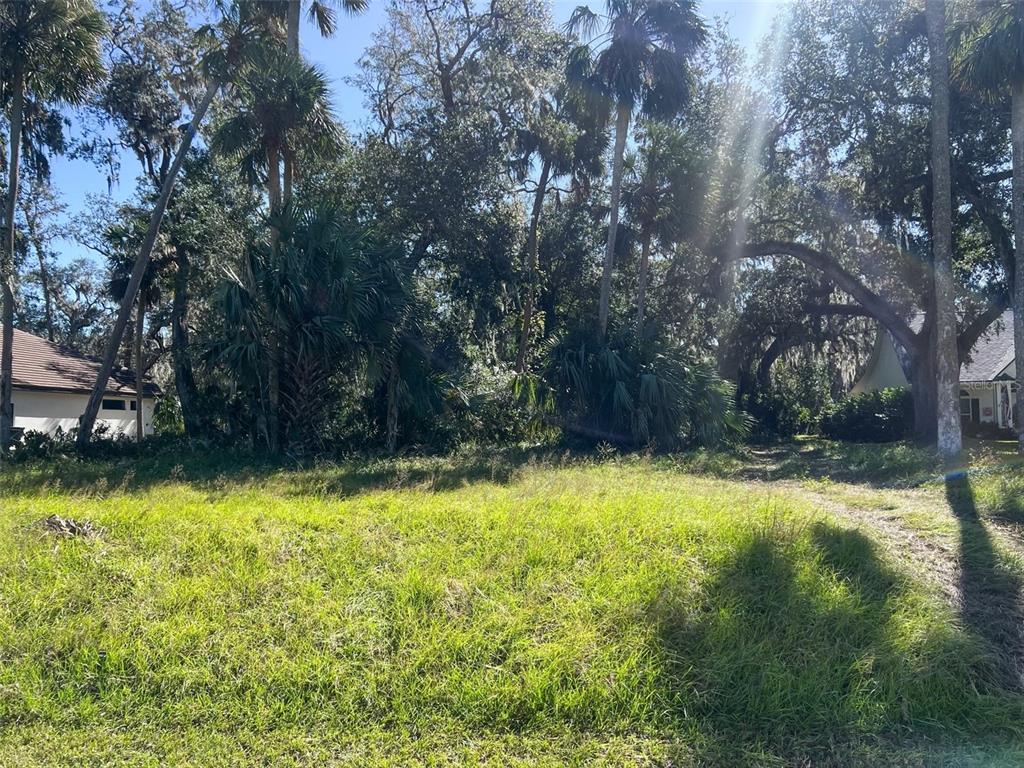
pixel 988 404
pixel 38 411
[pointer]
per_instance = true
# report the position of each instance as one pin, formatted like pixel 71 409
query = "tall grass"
pixel 467 612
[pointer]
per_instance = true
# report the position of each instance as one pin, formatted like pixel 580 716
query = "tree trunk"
pixel 140 319
pixel 391 434
pixel 294 13
pixel 274 179
pixel 274 374
pixel 641 289
pixel 1017 131
pixel 7 264
pixel 88 419
pixel 289 176
pixel 623 113
pixel 44 273
pixel 44 280
pixel 532 246
pixel 274 392
pixel 274 193
pixel 294 20
pixel 947 362
pixel 181 355
pixel 924 392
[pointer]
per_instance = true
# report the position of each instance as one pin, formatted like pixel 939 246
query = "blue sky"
pixel 75 180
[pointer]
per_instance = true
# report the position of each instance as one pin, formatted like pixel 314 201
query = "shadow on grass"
pixel 990 595
pixel 798 649
pixel 881 465
pixel 434 474
pixel 227 471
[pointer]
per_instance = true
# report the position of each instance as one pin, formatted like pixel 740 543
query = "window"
pixel 114 405
pixel 134 405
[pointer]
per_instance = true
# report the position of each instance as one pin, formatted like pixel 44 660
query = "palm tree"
pixel 566 139
pixel 662 202
pixel 325 295
pixel 321 14
pixel 640 60
pixel 228 45
pixel 947 363
pixel 283 105
pixel 989 57
pixel 49 55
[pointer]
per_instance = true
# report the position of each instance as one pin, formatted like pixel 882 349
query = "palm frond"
pixel 583 22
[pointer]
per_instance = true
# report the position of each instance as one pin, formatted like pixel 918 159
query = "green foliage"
pixel 637 54
pixel 640 394
pixel 326 299
pixel 988 49
pixel 796 401
pixel 44 446
pixel 884 415
pixel 167 419
pixel 282 109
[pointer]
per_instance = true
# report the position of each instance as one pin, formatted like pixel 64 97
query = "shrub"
pixel 882 416
pixel 167 418
pixel 799 395
pixel 42 445
pixel 634 393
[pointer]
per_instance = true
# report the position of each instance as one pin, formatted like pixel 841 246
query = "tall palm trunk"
pixel 274 342
pixel 289 176
pixel 641 291
pixel 7 263
pixel 274 190
pixel 44 280
pixel 294 13
pixel 274 390
pixel 44 272
pixel 623 113
pixel 1017 131
pixel 181 355
pixel 947 363
pixel 391 427
pixel 88 419
pixel 532 247
pixel 140 320
pixel 294 17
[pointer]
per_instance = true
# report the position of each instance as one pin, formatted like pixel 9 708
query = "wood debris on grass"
pixel 68 527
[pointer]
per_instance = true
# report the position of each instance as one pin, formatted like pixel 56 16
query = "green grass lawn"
pixel 477 611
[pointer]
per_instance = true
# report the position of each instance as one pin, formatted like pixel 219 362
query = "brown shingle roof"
pixel 42 365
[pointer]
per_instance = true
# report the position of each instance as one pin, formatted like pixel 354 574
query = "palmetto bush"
pixel 635 393
pixel 323 303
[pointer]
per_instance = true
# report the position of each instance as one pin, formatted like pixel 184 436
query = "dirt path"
pixel 960 554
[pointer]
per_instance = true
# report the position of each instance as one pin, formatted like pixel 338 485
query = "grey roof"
pixel 992 353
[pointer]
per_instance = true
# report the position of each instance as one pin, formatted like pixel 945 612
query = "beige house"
pixel 52 384
pixel 987 377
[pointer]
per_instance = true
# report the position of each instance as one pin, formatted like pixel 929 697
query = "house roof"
pixel 43 365
pixel 992 353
